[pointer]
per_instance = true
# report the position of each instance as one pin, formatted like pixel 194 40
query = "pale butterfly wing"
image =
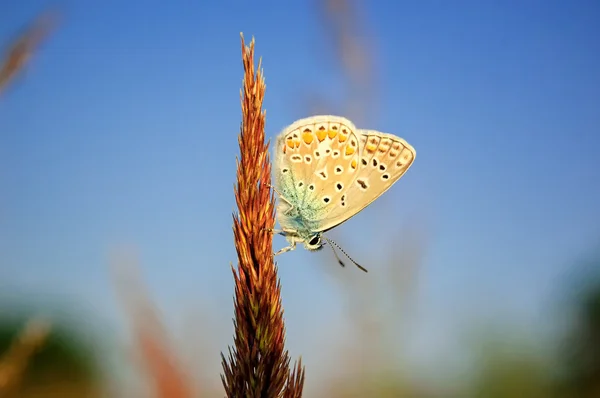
pixel 384 160
pixel 316 159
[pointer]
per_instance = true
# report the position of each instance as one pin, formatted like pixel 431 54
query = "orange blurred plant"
pixel 19 53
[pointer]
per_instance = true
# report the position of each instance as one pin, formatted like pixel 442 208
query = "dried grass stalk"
pixel 258 365
pixel 156 356
pixel 353 50
pixel 21 49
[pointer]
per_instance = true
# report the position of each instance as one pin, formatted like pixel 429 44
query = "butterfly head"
pixel 314 242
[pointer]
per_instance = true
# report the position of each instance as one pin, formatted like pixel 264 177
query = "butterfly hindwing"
pixel 384 160
pixel 316 160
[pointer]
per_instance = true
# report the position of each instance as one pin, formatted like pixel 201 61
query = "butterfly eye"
pixel 315 240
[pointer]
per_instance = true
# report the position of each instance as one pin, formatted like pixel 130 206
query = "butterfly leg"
pixel 279 194
pixel 282 233
pixel 275 231
pixel 274 189
pixel 286 249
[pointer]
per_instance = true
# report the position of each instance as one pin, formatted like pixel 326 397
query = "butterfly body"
pixel 326 171
pixel 299 229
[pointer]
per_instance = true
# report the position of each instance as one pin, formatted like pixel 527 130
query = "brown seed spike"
pixel 258 364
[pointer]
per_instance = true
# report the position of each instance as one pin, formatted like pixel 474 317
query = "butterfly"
pixel 326 171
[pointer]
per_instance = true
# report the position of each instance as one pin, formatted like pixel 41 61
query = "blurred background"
pixel 118 140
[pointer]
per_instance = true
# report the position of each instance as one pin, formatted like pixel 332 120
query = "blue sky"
pixel 123 131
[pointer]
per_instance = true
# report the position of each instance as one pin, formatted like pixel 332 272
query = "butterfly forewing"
pixel 384 160
pixel 316 160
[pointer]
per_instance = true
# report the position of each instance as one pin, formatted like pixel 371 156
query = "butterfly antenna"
pixel 332 244
pixel 335 253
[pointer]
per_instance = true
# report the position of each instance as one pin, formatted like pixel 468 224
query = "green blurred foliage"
pixel 502 373
pixel 63 366
pixel 580 353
